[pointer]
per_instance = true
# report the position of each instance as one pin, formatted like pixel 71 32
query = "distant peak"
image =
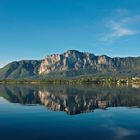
pixel 72 51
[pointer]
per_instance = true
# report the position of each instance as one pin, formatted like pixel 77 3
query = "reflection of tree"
pixel 72 100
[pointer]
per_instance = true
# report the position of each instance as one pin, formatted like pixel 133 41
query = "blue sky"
pixel 33 29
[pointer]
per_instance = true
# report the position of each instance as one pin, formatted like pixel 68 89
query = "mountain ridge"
pixel 70 64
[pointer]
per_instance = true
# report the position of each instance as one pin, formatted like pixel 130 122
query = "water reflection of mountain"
pixel 72 100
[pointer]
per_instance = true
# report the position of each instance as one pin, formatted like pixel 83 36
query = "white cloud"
pixel 120 27
pixel 119 31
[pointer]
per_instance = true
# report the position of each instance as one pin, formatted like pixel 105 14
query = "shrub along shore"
pixel 80 80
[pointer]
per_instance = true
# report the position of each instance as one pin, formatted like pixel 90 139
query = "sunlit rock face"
pixel 71 60
pixel 74 63
pixel 49 63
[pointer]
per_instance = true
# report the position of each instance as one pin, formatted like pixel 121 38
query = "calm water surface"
pixel 43 112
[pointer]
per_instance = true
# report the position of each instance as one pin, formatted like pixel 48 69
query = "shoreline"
pixel 85 80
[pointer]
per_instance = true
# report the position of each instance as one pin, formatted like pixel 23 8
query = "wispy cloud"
pixel 119 27
pixel 120 31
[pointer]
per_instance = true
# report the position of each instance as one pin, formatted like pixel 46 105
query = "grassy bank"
pixel 80 80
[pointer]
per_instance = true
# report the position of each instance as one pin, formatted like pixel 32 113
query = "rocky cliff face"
pixel 72 63
pixel 72 60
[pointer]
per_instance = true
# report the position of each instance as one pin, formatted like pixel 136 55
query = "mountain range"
pixel 71 64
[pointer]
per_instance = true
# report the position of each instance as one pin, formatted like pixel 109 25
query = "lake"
pixel 79 112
